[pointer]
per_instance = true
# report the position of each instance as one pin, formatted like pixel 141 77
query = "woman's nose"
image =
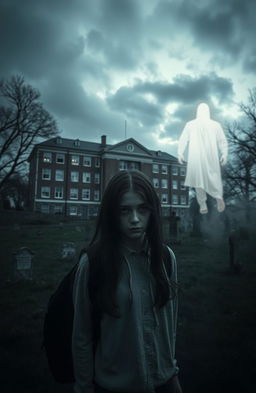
pixel 134 217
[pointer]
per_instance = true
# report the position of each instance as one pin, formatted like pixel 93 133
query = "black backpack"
pixel 58 324
pixel 57 330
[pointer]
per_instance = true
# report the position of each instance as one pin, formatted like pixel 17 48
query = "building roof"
pixel 70 144
pixel 94 147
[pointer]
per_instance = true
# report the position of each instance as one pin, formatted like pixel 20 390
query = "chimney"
pixel 103 140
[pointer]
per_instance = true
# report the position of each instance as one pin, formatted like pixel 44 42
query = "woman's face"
pixel 134 218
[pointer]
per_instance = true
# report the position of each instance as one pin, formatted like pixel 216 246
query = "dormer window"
pixel 59 140
pixel 77 142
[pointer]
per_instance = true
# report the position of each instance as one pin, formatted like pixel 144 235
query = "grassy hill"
pixel 216 344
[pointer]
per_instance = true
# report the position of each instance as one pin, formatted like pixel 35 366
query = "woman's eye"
pixel 124 210
pixel 143 209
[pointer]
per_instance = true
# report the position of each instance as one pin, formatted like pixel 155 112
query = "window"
pixel 183 200
pixel 133 165
pixel 45 209
pixel 58 193
pixel 86 177
pixel 97 178
pixel 58 209
pixel 77 142
pixel 46 174
pixel 47 157
pixel 87 161
pixel 164 169
pixel 96 195
pixel 155 168
pixel 164 183
pixel 97 162
pixel 175 170
pixel 174 185
pixel 74 160
pixel 182 171
pixel 86 194
pixel 182 187
pixel 73 193
pixel 123 165
pixel 59 158
pixel 45 192
pixel 164 198
pixel 73 210
pixel 59 175
pixel 155 182
pixel 74 176
pixel 175 199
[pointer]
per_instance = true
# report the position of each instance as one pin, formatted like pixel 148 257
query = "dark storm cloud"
pixel 174 128
pixel 77 51
pixel 218 27
pixel 115 53
pixel 184 90
pixel 249 62
pixel 38 36
pixel 72 103
pixel 135 106
pixel 26 39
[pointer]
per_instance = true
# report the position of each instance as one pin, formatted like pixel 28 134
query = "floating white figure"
pixel 207 149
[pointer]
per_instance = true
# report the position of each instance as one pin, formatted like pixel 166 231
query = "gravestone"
pixel 174 228
pixel 24 263
pixel 68 250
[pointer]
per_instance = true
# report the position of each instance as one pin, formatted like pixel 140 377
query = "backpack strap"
pixel 168 262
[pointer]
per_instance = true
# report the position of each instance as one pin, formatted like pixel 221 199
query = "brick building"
pixel 68 176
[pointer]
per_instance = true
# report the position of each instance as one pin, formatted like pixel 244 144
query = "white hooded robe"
pixel 206 140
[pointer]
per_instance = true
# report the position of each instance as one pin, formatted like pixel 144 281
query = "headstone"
pixel 24 263
pixel 68 250
pixel 174 228
pixel 236 237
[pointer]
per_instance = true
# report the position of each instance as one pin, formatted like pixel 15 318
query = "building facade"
pixel 69 176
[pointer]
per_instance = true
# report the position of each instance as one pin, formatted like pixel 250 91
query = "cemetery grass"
pixel 216 343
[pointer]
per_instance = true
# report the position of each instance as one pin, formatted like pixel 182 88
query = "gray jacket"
pixel 135 353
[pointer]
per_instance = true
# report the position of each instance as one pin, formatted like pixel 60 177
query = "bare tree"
pixel 16 188
pixel 240 172
pixel 23 120
pixel 243 137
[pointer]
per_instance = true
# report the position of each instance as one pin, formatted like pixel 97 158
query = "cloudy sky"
pixel 99 63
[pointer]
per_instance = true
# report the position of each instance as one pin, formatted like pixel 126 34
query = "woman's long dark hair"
pixel 105 244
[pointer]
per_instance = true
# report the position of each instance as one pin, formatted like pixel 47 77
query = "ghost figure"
pixel 207 149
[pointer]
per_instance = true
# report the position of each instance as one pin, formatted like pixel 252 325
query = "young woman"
pixel 126 279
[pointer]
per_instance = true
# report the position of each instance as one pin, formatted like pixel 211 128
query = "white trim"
pixel 182 206
pixel 36 176
pixel 126 157
pixel 167 205
pixel 69 201
pixel 67 151
pixel 125 153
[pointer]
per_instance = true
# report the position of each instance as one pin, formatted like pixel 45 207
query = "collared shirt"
pixel 135 353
